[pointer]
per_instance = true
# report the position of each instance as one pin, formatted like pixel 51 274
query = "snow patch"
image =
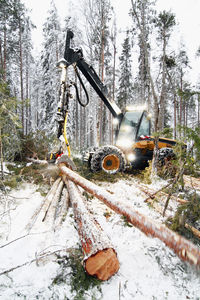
pixel 148 269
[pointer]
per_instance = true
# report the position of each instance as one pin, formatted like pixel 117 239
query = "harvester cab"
pixel 133 145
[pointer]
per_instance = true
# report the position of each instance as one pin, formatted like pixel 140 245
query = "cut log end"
pixel 103 264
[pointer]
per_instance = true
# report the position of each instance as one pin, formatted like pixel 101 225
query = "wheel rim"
pixel 111 163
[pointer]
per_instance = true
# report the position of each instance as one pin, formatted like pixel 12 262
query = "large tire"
pixel 164 155
pixel 110 159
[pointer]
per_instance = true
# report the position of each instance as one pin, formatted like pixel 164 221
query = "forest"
pixel 53 229
pixel 30 85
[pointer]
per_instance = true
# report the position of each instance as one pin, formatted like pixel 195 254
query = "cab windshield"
pixel 128 128
pixel 134 125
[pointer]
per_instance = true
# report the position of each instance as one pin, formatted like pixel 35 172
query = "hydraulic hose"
pixel 84 88
pixel 65 135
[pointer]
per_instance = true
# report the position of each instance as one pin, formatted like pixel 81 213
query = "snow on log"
pixel 100 259
pixel 181 246
pixel 63 208
pixel 50 213
pixel 44 205
pixel 37 161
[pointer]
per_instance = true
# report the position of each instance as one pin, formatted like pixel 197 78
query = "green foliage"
pixel 146 174
pixel 167 132
pixel 35 144
pixel 9 123
pixel 126 222
pixel 192 155
pixel 33 173
pixel 165 22
pixel 80 281
pixel 12 182
pixel 187 213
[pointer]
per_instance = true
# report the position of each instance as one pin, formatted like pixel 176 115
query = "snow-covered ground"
pixel 148 269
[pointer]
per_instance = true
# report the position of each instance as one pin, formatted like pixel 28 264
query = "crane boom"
pixel 76 56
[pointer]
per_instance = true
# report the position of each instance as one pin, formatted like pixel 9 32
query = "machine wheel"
pixel 165 154
pixel 109 159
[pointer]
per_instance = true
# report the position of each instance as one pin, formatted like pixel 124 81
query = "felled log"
pixel 181 246
pixel 100 259
pixel 37 161
pixel 44 205
pixel 159 209
pixel 50 213
pixel 63 208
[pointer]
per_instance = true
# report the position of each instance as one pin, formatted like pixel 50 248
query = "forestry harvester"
pixel 133 146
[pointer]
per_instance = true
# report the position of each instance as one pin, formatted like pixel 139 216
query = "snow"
pixel 148 269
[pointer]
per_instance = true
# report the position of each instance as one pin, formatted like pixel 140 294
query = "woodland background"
pixel 147 70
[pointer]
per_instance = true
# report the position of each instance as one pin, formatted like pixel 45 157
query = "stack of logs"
pixel 100 258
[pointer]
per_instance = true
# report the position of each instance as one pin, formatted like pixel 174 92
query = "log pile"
pixel 181 246
pixel 100 257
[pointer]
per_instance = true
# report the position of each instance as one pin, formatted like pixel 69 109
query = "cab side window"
pixel 144 129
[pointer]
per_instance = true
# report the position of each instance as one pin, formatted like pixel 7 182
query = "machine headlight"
pixel 124 143
pixel 131 157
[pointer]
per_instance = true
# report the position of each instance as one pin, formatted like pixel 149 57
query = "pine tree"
pixel 125 90
pixel 164 23
pixel 98 15
pixel 50 76
pixel 144 14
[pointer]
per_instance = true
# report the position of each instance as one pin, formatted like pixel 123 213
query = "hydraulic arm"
pixel 76 56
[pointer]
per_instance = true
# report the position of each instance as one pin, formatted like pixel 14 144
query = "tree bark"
pixel 182 247
pixel 100 258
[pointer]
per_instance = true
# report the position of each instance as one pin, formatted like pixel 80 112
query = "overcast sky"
pixel 186 11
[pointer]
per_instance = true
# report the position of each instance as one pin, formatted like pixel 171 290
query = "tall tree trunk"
pixel 163 88
pixel 1 54
pixel 181 101
pixel 5 52
pixel 175 104
pixel 21 76
pixel 101 116
pixel 1 155
pixel 198 121
pixel 27 95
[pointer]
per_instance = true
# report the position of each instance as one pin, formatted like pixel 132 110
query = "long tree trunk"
pixel 175 105
pixel 1 54
pixel 198 120
pixel 182 247
pixel 5 52
pixel 100 258
pixel 181 103
pixel 21 76
pixel 27 95
pixel 1 155
pixel 163 87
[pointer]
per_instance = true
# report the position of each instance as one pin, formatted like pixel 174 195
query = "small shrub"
pixel 126 222
pixel 80 281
